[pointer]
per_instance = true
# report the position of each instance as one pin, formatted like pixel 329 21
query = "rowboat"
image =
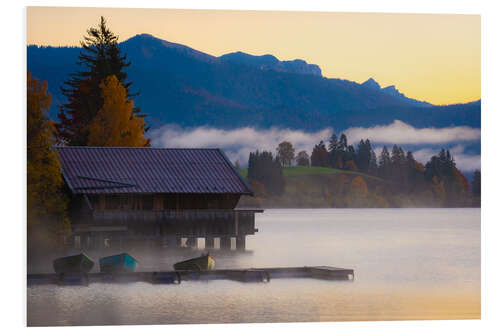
pixel 80 263
pixel 118 263
pixel 203 263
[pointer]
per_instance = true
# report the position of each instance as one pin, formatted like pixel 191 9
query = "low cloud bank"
pixel 401 133
pixel 465 162
pixel 238 143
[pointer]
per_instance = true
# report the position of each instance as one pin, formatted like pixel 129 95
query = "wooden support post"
pixel 171 241
pixel 192 242
pixel 240 242
pixel 77 242
pixel 209 242
pixel 225 242
pixel 236 222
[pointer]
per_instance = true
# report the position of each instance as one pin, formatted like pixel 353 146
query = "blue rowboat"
pixel 119 263
pixel 80 263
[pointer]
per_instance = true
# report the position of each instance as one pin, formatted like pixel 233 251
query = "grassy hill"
pixel 303 171
pixel 315 187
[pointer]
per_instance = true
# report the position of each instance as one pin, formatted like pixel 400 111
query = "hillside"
pixel 307 171
pixel 181 85
pixel 314 187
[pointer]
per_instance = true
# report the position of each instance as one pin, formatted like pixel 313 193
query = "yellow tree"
pixel 358 191
pixel 115 124
pixel 45 195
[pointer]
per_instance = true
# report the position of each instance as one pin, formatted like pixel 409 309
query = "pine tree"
pixel 373 166
pixel 342 142
pixel 319 156
pixel 265 169
pixel 363 155
pixel 332 143
pixel 100 58
pixel 385 163
pixel 333 151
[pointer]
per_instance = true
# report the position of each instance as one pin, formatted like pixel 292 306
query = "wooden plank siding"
pixel 159 201
pixel 160 215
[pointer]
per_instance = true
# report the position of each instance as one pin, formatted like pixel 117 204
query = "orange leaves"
pixel 115 124
pixel 358 187
pixel 45 198
pixel 259 188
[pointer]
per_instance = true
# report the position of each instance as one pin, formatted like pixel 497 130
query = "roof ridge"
pixel 117 147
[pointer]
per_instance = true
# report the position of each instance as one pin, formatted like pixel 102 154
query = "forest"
pixel 341 176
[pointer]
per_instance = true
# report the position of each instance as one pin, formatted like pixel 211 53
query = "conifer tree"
pixel 373 165
pixel 385 163
pixel 100 58
pixel 319 156
pixel 363 155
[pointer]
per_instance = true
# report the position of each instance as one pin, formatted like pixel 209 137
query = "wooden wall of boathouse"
pixel 162 218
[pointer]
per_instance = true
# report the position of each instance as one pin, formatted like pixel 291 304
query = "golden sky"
pixel 432 57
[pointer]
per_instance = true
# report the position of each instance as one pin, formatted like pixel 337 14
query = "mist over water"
pixel 408 263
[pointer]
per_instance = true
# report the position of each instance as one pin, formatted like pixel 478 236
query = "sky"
pixel 431 57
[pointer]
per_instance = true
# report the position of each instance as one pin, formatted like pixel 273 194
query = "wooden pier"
pixel 172 277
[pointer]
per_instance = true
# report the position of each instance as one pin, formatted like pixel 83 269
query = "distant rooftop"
pixel 93 170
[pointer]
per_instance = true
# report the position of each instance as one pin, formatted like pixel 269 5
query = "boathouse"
pixel 168 197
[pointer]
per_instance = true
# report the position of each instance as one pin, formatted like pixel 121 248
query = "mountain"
pixel 392 91
pixel 181 85
pixel 270 62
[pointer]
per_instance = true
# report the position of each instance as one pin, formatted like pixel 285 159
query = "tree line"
pixel 405 179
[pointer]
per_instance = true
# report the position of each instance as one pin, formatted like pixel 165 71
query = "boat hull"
pixel 79 263
pixel 203 263
pixel 120 263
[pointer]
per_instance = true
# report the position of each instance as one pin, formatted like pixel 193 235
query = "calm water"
pixel 409 264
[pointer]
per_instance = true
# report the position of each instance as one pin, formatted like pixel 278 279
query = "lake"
pixel 409 264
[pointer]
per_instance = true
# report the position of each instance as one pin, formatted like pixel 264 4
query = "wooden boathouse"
pixel 121 196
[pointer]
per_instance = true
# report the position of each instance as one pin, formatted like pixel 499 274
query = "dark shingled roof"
pixel 149 170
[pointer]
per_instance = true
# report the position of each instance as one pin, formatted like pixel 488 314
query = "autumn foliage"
pixel 115 123
pixel 99 59
pixel 46 200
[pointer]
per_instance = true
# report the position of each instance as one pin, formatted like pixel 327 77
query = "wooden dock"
pixel 172 277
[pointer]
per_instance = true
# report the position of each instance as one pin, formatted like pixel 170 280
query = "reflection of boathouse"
pixel 122 195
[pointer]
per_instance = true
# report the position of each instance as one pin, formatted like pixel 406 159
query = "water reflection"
pixel 409 264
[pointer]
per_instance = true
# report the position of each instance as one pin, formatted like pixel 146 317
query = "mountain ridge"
pixel 181 85
pixel 391 90
pixel 270 62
